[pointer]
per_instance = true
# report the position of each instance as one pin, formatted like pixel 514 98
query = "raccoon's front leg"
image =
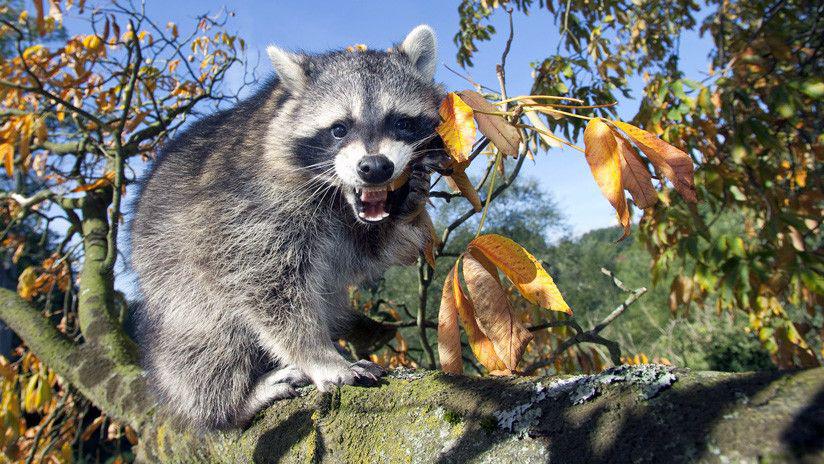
pixel 303 341
pixel 418 193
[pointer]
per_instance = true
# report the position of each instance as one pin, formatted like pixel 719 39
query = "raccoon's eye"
pixel 403 124
pixel 339 131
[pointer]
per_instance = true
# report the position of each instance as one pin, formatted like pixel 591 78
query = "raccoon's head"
pixel 356 119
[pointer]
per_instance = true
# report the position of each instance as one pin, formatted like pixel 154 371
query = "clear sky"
pixel 316 25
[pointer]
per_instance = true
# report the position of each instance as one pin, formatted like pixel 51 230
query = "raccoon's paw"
pixel 363 372
pixel 418 193
pixel 368 373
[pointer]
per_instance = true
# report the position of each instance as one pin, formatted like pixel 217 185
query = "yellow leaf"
pixel 673 163
pixel 26 283
pixel 635 175
pixel 104 181
pixel 604 161
pixel 494 313
pixel 33 50
pixel 93 43
pixel 457 128
pixel 449 336
pixel 498 130
pixel 523 270
pixel 7 153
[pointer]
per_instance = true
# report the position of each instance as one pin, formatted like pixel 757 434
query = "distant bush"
pixel 737 351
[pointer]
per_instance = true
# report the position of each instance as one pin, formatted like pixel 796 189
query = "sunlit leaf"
pixel 104 181
pixel 7 153
pixel 494 313
pixel 460 181
pixel 498 130
pixel 27 283
pixel 523 270
pixel 635 175
pixel 673 163
pixel 457 127
pixel 543 130
pixel 605 163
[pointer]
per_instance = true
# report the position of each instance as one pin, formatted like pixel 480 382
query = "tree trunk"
pixel 629 414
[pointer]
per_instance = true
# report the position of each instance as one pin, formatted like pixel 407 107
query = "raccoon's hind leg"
pixel 276 385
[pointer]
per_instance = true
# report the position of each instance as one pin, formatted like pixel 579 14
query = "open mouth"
pixel 372 203
pixel 376 203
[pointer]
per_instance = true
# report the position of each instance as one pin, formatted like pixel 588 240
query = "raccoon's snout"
pixel 375 169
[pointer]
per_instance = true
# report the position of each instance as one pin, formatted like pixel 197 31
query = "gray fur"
pixel 244 251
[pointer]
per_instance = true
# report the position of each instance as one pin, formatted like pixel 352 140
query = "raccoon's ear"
pixel 421 47
pixel 289 68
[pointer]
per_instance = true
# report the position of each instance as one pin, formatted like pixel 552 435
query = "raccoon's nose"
pixel 375 169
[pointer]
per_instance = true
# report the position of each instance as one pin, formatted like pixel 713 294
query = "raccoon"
pixel 253 222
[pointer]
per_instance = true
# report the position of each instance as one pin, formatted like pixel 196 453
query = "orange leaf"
pixel 104 181
pixel 462 183
pixel 523 270
pixel 457 128
pixel 449 336
pixel 602 155
pixel 27 283
pixel 498 130
pixel 7 153
pixel 494 313
pixel 635 175
pixel 673 163
pixel 479 343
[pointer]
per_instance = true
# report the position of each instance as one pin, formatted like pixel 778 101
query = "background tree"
pixel 80 115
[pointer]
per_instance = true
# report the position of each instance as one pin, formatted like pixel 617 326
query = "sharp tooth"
pixel 384 215
pixel 362 215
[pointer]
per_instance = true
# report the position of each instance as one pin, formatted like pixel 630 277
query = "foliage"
pixel 751 127
pixel 495 335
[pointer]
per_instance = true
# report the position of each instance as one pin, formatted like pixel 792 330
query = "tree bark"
pixel 644 414
pixel 617 416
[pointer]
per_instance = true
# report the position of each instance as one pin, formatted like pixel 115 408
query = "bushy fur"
pixel 245 242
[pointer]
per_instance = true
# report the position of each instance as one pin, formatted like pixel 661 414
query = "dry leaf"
pixel 479 343
pixel 7 153
pixel 27 283
pixel 604 161
pixel 461 183
pixel 457 127
pixel 635 175
pixel 104 181
pixel 494 313
pixel 498 130
pixel 543 130
pixel 673 163
pixel 523 270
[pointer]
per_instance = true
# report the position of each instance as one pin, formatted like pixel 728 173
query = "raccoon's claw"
pixel 367 373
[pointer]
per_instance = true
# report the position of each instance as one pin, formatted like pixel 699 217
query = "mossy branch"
pixel 115 387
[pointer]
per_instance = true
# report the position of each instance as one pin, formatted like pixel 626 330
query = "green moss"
pixel 452 417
